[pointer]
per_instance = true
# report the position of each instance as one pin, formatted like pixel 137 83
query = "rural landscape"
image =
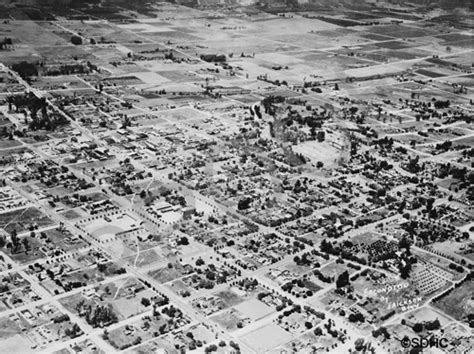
pixel 236 176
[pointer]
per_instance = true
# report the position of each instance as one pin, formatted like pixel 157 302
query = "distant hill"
pixel 445 4
pixel 46 8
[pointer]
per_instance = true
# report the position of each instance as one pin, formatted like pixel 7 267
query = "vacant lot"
pixel 24 219
pixel 254 309
pixel 267 338
pixel 166 274
pixel 458 303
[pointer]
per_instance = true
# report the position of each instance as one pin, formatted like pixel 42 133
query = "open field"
pixel 24 220
pixel 458 302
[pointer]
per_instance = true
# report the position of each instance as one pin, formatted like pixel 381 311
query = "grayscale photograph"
pixel 236 176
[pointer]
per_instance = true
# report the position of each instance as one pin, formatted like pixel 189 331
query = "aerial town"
pixel 238 176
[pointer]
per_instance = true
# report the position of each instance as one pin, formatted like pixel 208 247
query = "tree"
pixel 359 344
pixel 101 316
pixel 26 244
pixel 15 241
pixel 25 70
pixel 234 345
pixel 145 302
pixel 405 270
pixel 182 201
pixel 418 327
pixel 342 280
pixel 102 267
pixel 244 203
pixel 356 317
pixel 321 135
pixel 433 325
pixel 404 243
pixel 183 241
pixel 76 40
pixel 211 348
